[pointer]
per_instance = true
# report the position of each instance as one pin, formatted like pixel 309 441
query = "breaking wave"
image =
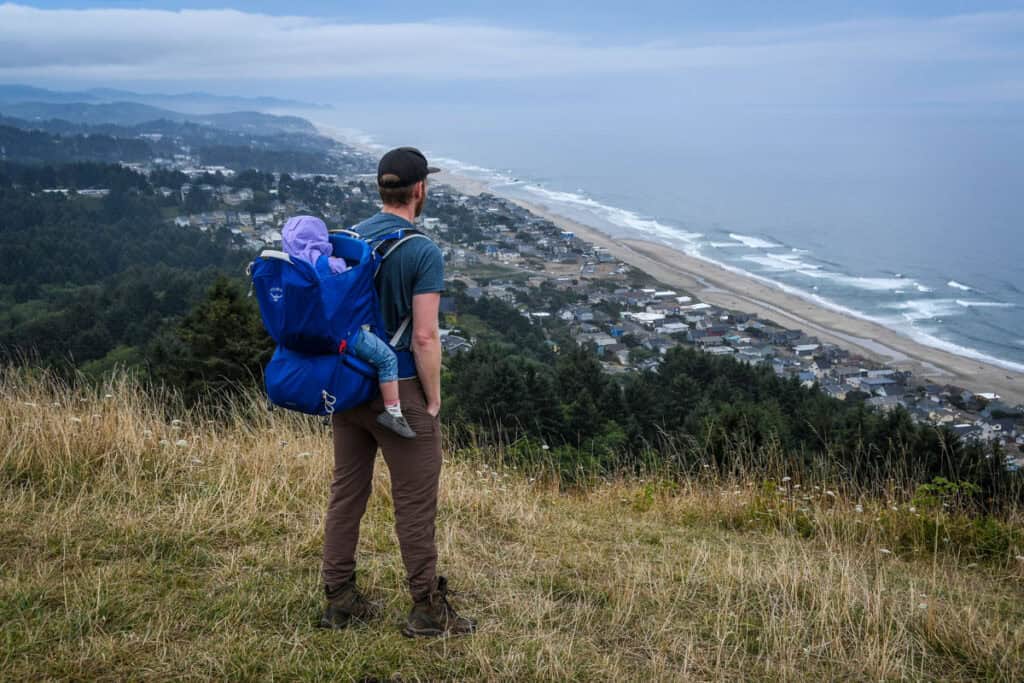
pixel 754 242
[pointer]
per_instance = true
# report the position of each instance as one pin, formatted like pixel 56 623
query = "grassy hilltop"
pixel 141 541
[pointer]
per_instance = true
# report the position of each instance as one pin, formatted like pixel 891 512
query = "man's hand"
pixel 434 409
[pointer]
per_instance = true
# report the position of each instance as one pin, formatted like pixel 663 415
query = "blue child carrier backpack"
pixel 312 313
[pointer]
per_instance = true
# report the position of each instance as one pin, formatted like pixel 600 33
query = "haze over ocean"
pixel 906 217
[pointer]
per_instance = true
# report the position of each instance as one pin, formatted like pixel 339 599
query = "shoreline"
pixel 726 288
pixel 716 285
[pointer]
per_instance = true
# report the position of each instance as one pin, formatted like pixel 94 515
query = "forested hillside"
pixel 83 277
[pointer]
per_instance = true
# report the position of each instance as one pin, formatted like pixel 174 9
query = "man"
pixel 410 282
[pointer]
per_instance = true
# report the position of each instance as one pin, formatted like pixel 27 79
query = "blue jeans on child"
pixel 369 347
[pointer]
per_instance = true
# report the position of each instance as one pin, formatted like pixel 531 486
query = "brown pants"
pixel 415 466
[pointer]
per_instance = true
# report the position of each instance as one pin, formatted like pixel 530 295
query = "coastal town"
pixel 576 292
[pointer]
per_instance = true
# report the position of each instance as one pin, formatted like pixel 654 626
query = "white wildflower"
pixel 785 479
pixel 175 423
pixel 545 447
pixel 304 454
pixel 197 461
pixel 858 507
pixel 30 404
pixel 830 494
pixel 923 605
pixel 796 486
pixel 912 508
pixel 164 442
pixel 1020 558
pixel 56 404
pixel 147 432
pixel 76 419
pixel 181 443
pixel 885 551
pixel 108 396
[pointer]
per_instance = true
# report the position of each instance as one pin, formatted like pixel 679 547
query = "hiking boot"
pixel 433 616
pixel 346 604
pixel 396 424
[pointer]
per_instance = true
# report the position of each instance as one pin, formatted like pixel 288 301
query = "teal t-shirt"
pixel 416 267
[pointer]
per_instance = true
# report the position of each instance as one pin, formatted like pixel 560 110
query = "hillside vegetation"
pixel 142 540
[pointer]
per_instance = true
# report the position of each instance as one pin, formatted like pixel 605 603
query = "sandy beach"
pixel 716 285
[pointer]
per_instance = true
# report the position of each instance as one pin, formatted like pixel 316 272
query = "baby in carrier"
pixel 305 237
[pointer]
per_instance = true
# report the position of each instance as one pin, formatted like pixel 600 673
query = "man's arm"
pixel 426 347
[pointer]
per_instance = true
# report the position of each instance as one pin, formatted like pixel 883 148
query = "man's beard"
pixel 419 206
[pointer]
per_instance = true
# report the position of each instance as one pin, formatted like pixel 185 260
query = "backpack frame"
pixel 311 313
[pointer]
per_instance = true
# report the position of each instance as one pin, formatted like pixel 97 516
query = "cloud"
pixel 136 45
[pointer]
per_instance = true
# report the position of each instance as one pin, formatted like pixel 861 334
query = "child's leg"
pixel 389 390
pixel 372 349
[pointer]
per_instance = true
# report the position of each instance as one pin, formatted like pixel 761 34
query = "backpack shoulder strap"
pixel 389 243
pixel 397 336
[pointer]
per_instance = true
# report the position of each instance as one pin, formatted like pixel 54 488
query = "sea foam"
pixel 983 304
pixel 754 242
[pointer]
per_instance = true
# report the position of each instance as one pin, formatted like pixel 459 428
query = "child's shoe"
pixel 397 424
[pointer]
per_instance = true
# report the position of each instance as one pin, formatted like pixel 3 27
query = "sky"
pixel 859 114
pixel 864 54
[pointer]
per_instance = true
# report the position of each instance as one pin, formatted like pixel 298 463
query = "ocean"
pixel 919 228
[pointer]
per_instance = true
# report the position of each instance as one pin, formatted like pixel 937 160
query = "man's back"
pixel 416 267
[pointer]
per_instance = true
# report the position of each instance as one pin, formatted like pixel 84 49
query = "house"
pixel 845 372
pixel 599 340
pixel 453 344
pixel 705 340
pixel 876 385
pixel 648 320
pixel 884 403
pixel 672 328
pixel 834 390
pixel 805 350
pixel 620 351
pixel 659 344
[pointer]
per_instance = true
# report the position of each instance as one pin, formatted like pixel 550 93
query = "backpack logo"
pixel 276 293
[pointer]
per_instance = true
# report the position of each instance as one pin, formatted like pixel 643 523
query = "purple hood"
pixel 305 237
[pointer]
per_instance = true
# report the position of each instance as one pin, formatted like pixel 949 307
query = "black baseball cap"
pixel 403 166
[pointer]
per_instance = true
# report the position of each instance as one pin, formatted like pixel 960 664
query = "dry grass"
pixel 124 555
